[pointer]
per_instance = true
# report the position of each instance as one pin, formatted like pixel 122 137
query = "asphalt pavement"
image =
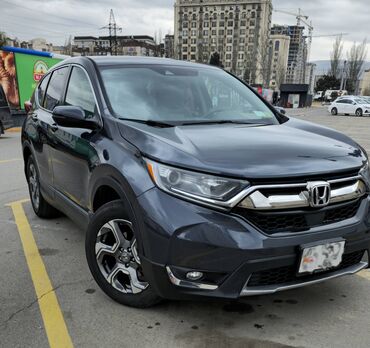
pixel 331 314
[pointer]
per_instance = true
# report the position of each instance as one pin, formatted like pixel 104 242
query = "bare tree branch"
pixel 336 56
pixel 356 58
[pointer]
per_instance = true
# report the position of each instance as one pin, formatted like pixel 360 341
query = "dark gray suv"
pixel 189 184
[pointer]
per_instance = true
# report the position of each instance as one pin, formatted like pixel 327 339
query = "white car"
pixel 350 106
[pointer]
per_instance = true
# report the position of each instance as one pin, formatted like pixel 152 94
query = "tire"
pixel 358 112
pixel 334 111
pixel 40 206
pixel 111 252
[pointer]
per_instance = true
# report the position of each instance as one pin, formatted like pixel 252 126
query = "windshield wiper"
pixel 149 122
pixel 221 122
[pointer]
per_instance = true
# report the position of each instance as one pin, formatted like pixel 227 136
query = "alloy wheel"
pixel 34 185
pixel 358 112
pixel 117 257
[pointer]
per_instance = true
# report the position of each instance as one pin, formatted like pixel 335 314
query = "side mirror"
pixel 280 109
pixel 72 117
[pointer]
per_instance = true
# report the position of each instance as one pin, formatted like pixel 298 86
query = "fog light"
pixel 194 275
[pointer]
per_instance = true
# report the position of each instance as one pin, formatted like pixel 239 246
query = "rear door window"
pixel 42 89
pixel 54 92
pixel 79 92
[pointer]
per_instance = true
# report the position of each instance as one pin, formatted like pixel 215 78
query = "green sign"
pixel 30 70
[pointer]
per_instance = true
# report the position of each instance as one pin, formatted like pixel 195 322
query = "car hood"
pixel 294 148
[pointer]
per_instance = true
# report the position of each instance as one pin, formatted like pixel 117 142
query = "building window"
pixel 205 32
pixel 242 31
pixel 229 32
pixel 214 24
pixel 185 41
pixel 214 32
pixel 243 23
pixel 241 56
pixel 221 32
pixel 277 45
pixel 193 33
pixel 193 41
pixel 242 40
pixel 230 23
pixel 193 24
pixel 229 40
pixel 193 49
pixel 206 24
pixel 185 24
pixel 192 57
pixel 229 48
pixel 228 56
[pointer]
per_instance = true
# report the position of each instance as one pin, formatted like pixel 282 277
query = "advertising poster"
pixel 30 69
pixel 8 78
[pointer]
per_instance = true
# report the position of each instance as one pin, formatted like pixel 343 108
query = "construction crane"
pixel 113 28
pixel 328 35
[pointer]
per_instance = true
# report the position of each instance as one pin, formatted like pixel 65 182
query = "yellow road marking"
pixel 364 274
pixel 13 130
pixel 10 160
pixel 55 326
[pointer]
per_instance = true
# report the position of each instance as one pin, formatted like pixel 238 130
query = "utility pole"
pixel 113 29
pixel 343 75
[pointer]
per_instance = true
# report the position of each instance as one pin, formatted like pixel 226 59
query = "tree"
pixel 215 59
pixel 2 39
pixel 280 74
pixel 336 56
pixel 356 58
pixel 264 57
pixel 327 82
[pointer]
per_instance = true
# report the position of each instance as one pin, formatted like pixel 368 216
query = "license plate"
pixel 321 257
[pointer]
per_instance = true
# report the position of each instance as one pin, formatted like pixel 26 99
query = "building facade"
pixel 365 83
pixel 280 44
pixel 297 56
pixel 134 45
pixel 169 46
pixel 237 30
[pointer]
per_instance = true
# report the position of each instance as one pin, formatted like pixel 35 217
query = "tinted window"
pixel 41 90
pixel 182 94
pixel 79 92
pixel 55 88
pixel 341 101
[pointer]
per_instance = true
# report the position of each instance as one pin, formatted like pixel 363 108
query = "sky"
pixel 55 20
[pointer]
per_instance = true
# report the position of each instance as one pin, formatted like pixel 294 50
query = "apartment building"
pixel 297 56
pixel 237 30
pixel 280 44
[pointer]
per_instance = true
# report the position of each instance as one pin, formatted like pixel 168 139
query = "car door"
pixel 341 106
pixel 74 154
pixel 39 124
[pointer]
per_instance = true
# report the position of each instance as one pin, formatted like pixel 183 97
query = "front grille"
pixel 293 221
pixel 306 178
pixel 288 274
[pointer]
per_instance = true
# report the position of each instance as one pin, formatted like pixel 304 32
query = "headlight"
pixel 201 187
pixel 365 173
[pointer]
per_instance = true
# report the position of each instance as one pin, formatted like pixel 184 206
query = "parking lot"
pixel 332 314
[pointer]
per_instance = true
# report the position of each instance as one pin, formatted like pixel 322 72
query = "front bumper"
pixel 179 237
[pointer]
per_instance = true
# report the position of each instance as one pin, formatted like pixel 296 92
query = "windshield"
pixel 182 95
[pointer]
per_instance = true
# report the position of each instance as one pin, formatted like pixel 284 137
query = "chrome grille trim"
pixel 255 199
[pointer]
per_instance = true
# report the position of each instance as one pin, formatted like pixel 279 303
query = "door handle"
pixel 54 127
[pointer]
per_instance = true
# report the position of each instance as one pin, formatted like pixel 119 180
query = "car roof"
pixel 129 60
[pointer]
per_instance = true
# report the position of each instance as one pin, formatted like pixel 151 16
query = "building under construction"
pixel 297 57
